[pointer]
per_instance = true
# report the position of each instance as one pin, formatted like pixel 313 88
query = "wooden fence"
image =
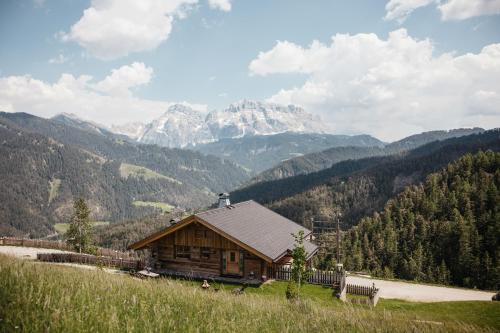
pixel 92 260
pixel 371 292
pixel 331 278
pixel 60 245
pixel 361 290
pixel 336 279
pixel 40 243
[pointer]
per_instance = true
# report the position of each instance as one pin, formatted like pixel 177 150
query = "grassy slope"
pixel 39 297
pixel 127 170
pixel 166 208
pixel 54 185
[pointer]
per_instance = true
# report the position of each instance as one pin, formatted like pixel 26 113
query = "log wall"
pixel 200 239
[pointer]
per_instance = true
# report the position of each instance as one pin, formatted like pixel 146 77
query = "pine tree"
pixel 80 228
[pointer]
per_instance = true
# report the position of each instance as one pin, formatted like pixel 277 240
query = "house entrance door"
pixel 233 265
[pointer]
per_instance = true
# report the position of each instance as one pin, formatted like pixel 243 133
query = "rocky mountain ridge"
pixel 181 126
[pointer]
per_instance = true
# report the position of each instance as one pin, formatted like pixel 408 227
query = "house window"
pixel 232 256
pixel 182 251
pixel 205 253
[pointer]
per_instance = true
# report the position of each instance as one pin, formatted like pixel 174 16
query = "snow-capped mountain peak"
pixel 257 118
pixel 182 126
pixel 179 126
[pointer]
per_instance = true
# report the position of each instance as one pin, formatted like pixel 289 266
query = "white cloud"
pixel 464 9
pixel 400 9
pixel 224 5
pixel 124 78
pixel 60 59
pixel 388 88
pixel 288 57
pixel 109 101
pixel 111 29
pixel 450 9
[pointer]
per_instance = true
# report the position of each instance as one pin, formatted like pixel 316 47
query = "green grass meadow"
pixel 165 208
pixel 40 297
pixel 127 170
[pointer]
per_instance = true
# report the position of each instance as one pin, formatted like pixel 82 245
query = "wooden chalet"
pixel 244 241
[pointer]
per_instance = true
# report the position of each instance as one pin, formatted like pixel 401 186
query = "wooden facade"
pixel 244 242
pixel 194 248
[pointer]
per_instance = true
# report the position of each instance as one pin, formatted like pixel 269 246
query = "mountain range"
pixel 254 135
pixel 356 188
pixel 46 163
pixel 181 126
pixel 323 159
pixel 261 152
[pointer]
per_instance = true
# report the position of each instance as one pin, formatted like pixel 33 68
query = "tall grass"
pixel 38 297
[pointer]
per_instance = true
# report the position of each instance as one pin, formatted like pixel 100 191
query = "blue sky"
pixel 202 55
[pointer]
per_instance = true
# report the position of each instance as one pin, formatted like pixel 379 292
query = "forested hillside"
pixel 120 235
pixel 446 230
pixel 44 165
pixel 73 121
pixel 207 173
pixel 320 160
pixel 315 162
pixel 358 188
pixel 261 152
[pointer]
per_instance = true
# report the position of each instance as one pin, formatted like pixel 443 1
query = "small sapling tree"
pixel 80 228
pixel 299 269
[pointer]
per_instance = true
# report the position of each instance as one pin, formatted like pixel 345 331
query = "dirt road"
pixel 30 253
pixel 420 292
pixel 26 252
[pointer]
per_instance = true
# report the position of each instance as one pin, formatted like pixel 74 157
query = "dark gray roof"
pixel 258 227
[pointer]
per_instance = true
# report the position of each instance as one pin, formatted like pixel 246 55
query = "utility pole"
pixel 338 238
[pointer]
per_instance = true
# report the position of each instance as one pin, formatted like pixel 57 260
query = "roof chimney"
pixel 224 200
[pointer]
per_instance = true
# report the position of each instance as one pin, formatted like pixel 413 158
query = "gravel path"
pixel 30 253
pixel 26 252
pixel 420 292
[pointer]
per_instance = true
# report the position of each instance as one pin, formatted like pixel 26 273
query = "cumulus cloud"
pixel 111 29
pixel 388 88
pixel 464 9
pixel 121 80
pixel 109 101
pixel 450 9
pixel 400 9
pixel 288 57
pixel 224 5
